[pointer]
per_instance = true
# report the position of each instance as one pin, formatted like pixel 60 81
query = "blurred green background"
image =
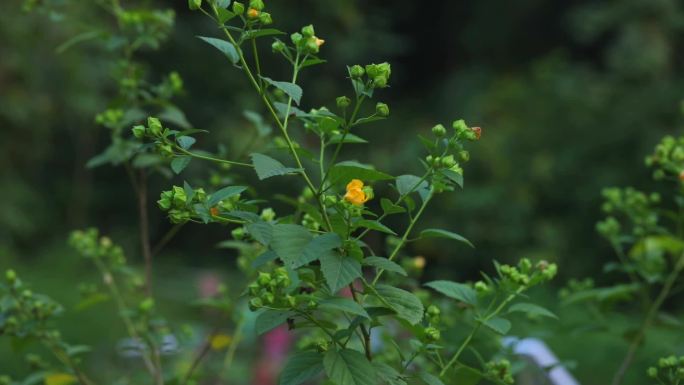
pixel 570 95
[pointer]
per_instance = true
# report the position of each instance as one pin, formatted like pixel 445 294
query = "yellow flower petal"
pixel 356 196
pixel 59 379
pixel 220 341
pixel 354 184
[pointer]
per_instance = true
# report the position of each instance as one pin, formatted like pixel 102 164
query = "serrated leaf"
pixel 454 176
pixel 262 232
pixel 292 90
pixel 344 304
pixel 320 246
pixel 439 233
pixel 384 264
pixel 224 193
pixel 343 172
pixel 301 367
pixel 289 241
pixel 224 46
pixel 388 374
pixel 406 304
pixel 407 184
pixel 267 167
pixel 268 320
pixel 185 141
pixel 374 225
pixel 264 258
pixel 455 290
pixel 429 379
pixel 178 164
pixel 531 310
pixel 498 325
pixel 348 367
pixel 388 207
pixel 339 270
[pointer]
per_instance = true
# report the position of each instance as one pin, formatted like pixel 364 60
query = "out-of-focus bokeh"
pixel 570 95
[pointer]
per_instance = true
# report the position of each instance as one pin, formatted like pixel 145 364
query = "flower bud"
pixel 652 372
pixel 265 18
pixel 356 71
pixel 278 46
pixel 296 37
pixel 380 82
pixel 433 310
pixel 432 333
pixel 238 233
pixel 154 125
pixel 308 31
pixel 419 262
pixel 194 4
pixel 448 161
pixel 139 131
pixel 238 8
pixel 382 109
pixel 252 13
pixel 343 102
pixel 464 155
pixel 477 131
pixel 11 276
pixel 268 214
pixel 146 305
pixel 256 4
pixel 255 303
pixel 312 45
pixel 439 130
pixel 264 278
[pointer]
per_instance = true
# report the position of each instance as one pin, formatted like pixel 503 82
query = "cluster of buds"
pixel 110 118
pixel 431 332
pixel 269 290
pixel 24 313
pixel 306 42
pixel 668 159
pixel 154 25
pixel 576 286
pixel 255 12
pixel 482 288
pixel 500 370
pixel 155 131
pixel 89 244
pixel 170 86
pixel 670 370
pixel 377 75
pixel 181 207
pixel 635 205
pixel 447 152
pixel 526 274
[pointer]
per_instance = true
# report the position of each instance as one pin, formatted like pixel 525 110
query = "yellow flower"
pixel 220 341
pixel 319 42
pixel 59 379
pixel 252 13
pixel 355 193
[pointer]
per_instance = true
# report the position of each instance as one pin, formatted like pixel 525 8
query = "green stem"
pixel 211 158
pixel 479 324
pixel 664 292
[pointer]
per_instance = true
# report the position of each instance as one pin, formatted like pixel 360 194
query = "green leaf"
pixel 406 304
pixel 498 325
pixel 312 62
pixel 264 258
pixel 174 115
pixel 178 164
pixel 348 367
pixel 292 90
pixel 267 167
pixel 439 233
pixel 255 33
pixel 388 207
pixel 185 141
pixel 344 304
pixel 222 3
pixel 343 172
pixel 320 246
pixel 224 15
pixel 453 176
pixel 262 128
pixel 455 290
pixel 289 241
pixel 368 119
pixel 407 184
pixel 262 232
pixel 388 374
pixel 301 367
pixel 429 379
pixel 348 139
pixel 531 310
pixel 339 271
pixel 384 264
pixel 374 225
pixel 224 193
pixel 268 320
pixel 224 46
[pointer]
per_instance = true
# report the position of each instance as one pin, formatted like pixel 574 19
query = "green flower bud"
pixel 448 161
pixel 139 131
pixel 11 276
pixel 652 372
pixel 238 233
pixel 343 102
pixel 268 297
pixel 278 46
pixel 439 130
pixel 238 8
pixel 253 288
pixel 432 333
pixel 433 310
pixel 356 71
pixel 264 278
pixel 382 109
pixel 256 4
pixel 311 45
pixel 265 18
pixel 268 214
pixel 308 31
pixel 155 126
pixel 146 305
pixel 255 303
pixel 291 301
pixel 380 81
pixel 194 4
pixel 253 13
